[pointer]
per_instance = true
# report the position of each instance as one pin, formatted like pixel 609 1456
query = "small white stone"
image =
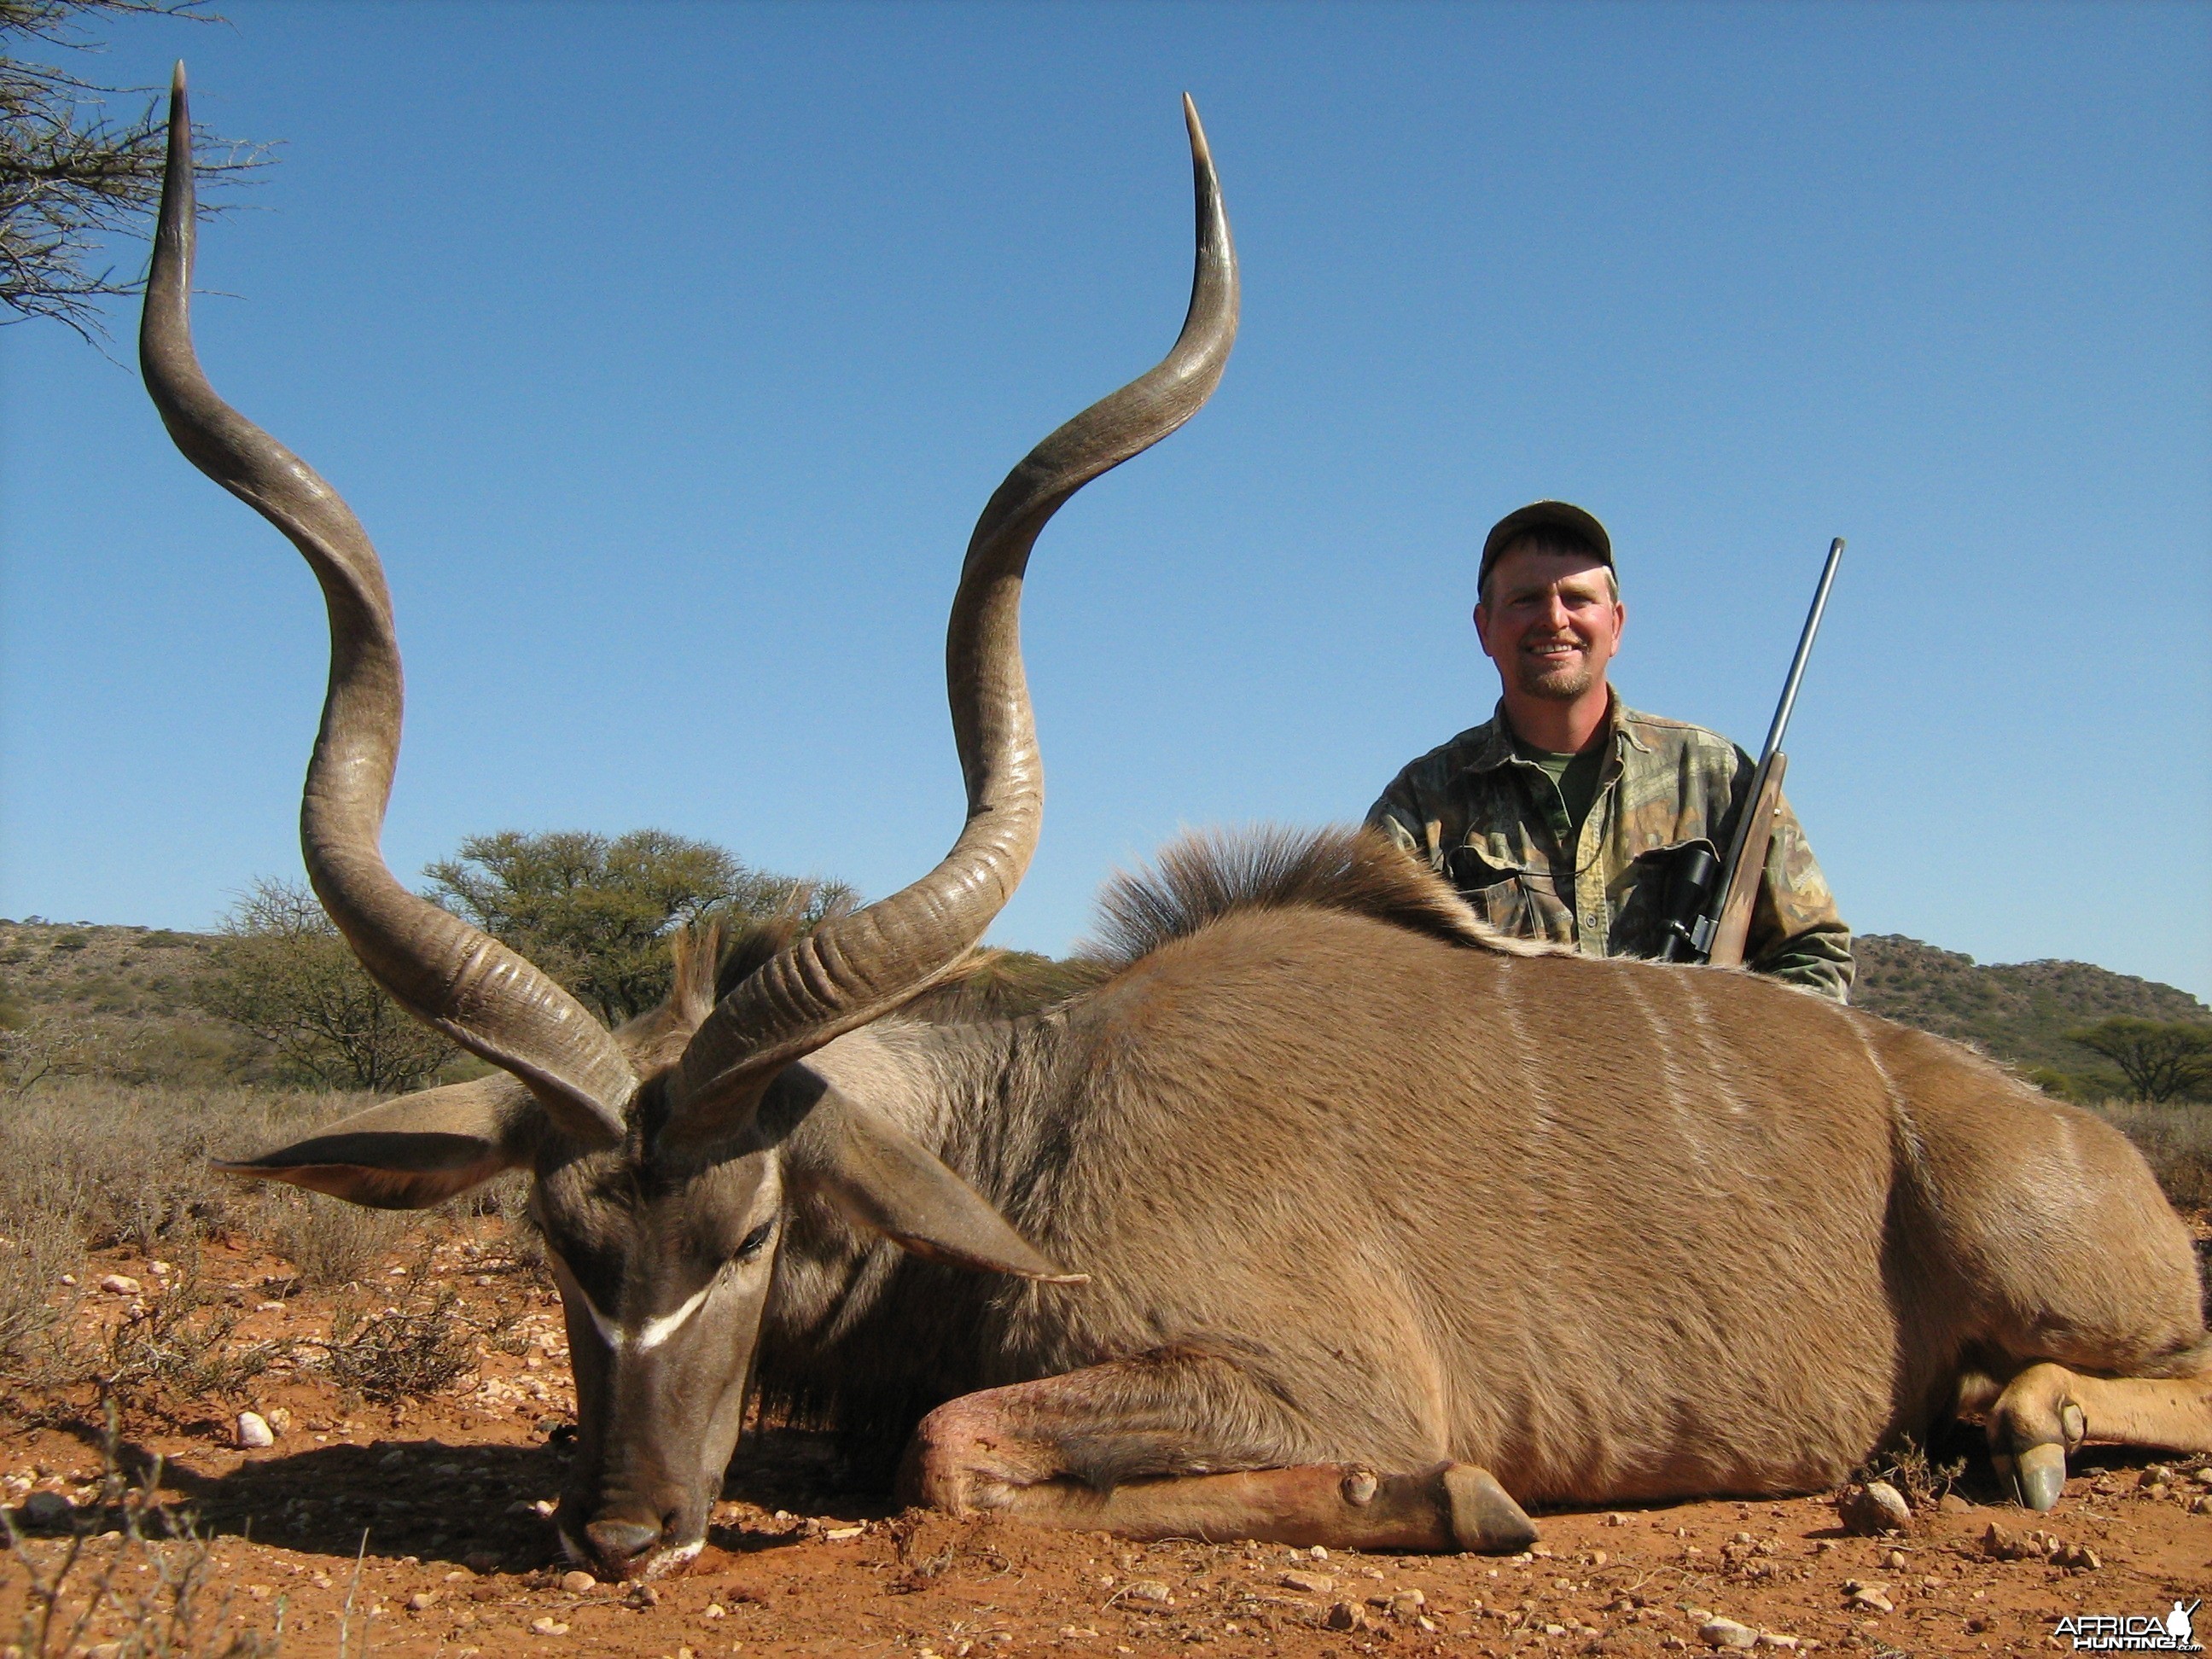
pixel 1150 1592
pixel 1313 1583
pixel 254 1431
pixel 1726 1633
pixel 118 1285
pixel 1874 1508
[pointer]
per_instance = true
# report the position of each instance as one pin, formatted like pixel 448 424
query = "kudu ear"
pixel 886 1181
pixel 411 1152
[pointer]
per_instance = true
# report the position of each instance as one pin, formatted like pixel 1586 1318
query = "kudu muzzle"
pixel 658 1409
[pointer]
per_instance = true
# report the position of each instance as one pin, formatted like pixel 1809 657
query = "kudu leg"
pixel 1048 1452
pixel 2047 1411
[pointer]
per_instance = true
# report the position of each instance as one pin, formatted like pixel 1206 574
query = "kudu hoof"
pixel 1484 1519
pixel 2036 1474
pixel 2033 1428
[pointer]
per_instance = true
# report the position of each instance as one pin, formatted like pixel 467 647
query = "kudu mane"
pixel 1200 880
pixel 1205 877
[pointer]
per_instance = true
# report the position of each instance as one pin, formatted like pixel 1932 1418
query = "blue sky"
pixel 669 351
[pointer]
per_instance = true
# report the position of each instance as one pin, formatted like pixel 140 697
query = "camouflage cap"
pixel 1543 515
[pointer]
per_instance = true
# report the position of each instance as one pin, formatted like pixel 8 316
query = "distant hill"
pixel 132 986
pixel 2018 1011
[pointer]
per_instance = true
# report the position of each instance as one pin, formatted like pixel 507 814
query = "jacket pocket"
pixel 1500 893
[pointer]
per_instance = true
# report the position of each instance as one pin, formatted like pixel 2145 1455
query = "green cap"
pixel 1543 515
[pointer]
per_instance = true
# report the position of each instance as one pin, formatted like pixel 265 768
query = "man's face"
pixel 1550 623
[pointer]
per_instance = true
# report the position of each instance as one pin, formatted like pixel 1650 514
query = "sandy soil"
pixel 451 1494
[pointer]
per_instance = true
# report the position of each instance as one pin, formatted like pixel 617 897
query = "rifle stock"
pixel 1746 862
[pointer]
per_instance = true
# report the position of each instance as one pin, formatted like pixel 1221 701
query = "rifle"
pixel 1699 929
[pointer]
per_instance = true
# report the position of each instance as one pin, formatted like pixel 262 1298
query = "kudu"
pixel 1378 1226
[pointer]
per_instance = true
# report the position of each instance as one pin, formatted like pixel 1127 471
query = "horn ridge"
pixel 854 969
pixel 483 995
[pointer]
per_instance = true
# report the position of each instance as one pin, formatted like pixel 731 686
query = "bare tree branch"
pixel 73 175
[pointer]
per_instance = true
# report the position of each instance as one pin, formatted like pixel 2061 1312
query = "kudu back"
pixel 1326 1217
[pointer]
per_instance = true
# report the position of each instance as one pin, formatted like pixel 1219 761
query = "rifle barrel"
pixel 1804 650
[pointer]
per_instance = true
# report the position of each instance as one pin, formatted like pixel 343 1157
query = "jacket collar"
pixel 1497 745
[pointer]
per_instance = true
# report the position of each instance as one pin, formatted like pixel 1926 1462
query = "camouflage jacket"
pixel 1496 825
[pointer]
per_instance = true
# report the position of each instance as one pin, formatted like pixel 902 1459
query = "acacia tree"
pixel 282 971
pixel 2161 1060
pixel 596 912
pixel 71 175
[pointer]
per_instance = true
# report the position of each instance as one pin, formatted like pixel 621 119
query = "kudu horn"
pixel 484 996
pixel 852 970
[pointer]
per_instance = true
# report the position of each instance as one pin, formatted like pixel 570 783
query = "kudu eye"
pixel 754 1242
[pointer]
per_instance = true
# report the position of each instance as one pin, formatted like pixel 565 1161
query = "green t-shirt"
pixel 1575 778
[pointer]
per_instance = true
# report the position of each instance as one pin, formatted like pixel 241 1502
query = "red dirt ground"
pixel 460 1559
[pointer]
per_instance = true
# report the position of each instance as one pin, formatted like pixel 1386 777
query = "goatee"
pixel 1561 684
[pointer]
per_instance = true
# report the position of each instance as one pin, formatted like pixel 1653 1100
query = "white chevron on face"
pixel 654 1331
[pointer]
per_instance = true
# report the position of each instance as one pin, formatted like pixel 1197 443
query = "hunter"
pixel 1563 815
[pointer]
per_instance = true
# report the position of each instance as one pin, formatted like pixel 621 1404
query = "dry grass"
pixel 128 1166
pixel 88 1165
pixel 328 1241
pixel 2176 1137
pixel 421 1342
pixel 179 1348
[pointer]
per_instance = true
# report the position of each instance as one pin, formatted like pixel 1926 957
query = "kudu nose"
pixel 622 1545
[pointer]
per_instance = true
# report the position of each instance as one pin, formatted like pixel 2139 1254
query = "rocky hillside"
pixel 2019 1011
pixel 116 1000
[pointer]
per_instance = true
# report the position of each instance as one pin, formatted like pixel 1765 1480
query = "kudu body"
pixel 1373 1223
